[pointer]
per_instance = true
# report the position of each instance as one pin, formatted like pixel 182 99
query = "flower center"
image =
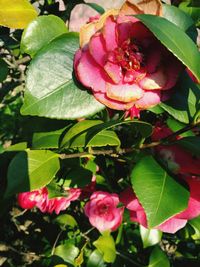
pixel 128 56
pixel 103 209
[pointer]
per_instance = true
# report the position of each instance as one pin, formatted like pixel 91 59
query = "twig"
pixel 55 243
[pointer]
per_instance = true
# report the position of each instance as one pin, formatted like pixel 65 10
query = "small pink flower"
pixel 123 64
pixel 177 158
pixel 102 211
pixel 175 223
pixel 39 198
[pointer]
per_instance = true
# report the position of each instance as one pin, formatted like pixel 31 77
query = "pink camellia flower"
pixel 176 157
pixel 123 64
pixel 102 211
pixel 175 223
pixel 39 198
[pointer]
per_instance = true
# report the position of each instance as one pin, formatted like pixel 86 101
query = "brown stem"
pixel 117 153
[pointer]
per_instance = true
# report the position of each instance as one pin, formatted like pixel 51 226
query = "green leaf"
pixel 68 252
pixel 51 89
pixel 64 220
pixel 96 7
pixel 158 258
pixel 150 237
pixel 31 170
pixel 78 132
pixel 195 223
pixel 156 191
pixel 96 259
pixel 180 19
pixel 191 144
pixel 40 32
pixel 17 147
pixel 106 245
pixel 3 70
pixel 192 10
pixel 79 177
pixel 173 38
pixel 47 139
pixel 185 101
pixel 16 15
pixel 175 125
pixel 76 136
pixel 145 129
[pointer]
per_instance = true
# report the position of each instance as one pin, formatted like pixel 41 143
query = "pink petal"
pixel 90 74
pixel 172 225
pixel 134 76
pixel 172 71
pixel 114 71
pixel 124 92
pixel 153 57
pixel 113 104
pixel 154 81
pixel 149 99
pixel 140 32
pixel 109 33
pixel 97 48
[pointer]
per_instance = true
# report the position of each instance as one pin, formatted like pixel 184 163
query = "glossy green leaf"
pixel 180 19
pixel 64 220
pixel 40 32
pixel 185 101
pixel 31 170
pixel 145 129
pixel 150 237
pixel 51 89
pixel 156 191
pixel 68 252
pixel 175 125
pixel 16 13
pixel 17 147
pixel 195 223
pixel 76 136
pixel 3 70
pixel 191 144
pixel 173 38
pixel 158 258
pixel 96 7
pixel 96 259
pixel 47 139
pixel 106 245
pixel 78 131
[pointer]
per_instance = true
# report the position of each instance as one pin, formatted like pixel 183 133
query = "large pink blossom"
pixel 173 224
pixel 123 64
pixel 176 157
pixel 39 198
pixel 102 211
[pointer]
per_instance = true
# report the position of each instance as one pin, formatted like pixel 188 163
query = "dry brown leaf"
pixel 134 7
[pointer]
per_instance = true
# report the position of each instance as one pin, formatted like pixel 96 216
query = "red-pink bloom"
pixel 123 64
pixel 102 211
pixel 173 224
pixel 39 198
pixel 177 158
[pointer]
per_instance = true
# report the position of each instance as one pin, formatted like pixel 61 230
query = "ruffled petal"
pixel 172 225
pixel 154 81
pixel 113 104
pixel 149 99
pixel 97 49
pixel 90 74
pixel 124 92
pixel 110 34
pixel 114 71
